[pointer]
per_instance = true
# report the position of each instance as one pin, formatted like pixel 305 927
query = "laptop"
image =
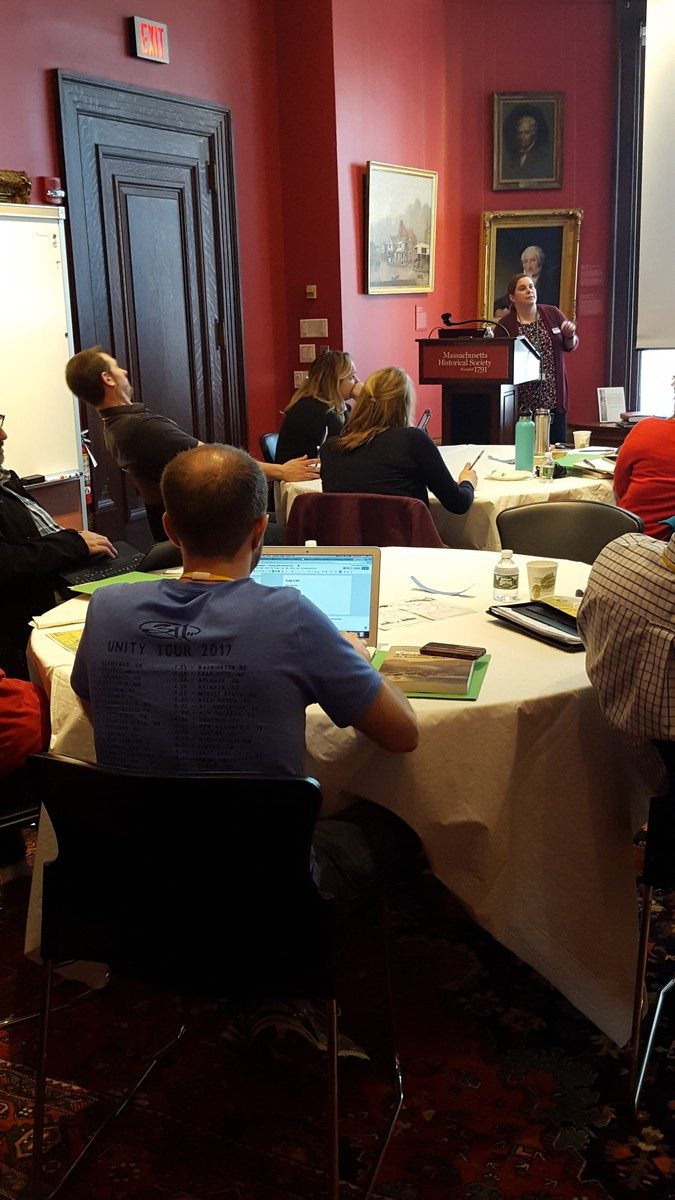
pixel 343 581
pixel 129 558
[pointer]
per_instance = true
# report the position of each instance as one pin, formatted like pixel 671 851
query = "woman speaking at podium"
pixel 552 335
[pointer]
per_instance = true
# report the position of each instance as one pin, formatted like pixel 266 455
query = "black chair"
pixel 254 926
pixel 268 449
pixel 268 446
pixel 658 872
pixel 19 809
pixel 19 804
pixel 576 529
pixel 161 556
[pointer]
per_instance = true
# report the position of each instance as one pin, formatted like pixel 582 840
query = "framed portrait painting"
pixel 400 224
pixel 527 140
pixel 544 245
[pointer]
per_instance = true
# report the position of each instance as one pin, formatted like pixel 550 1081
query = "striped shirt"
pixel 627 623
pixel 43 522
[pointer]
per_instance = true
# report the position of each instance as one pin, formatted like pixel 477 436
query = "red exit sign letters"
pixel 150 40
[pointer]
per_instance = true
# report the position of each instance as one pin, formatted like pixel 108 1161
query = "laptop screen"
pixel 344 582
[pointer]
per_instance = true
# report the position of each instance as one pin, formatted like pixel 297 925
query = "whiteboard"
pixel 41 416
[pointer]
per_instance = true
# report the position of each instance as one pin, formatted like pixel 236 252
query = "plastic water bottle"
pixel 525 443
pixel 505 584
pixel 547 468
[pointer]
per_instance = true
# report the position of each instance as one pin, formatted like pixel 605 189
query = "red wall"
pixel 220 52
pixel 414 86
pixel 391 82
pixel 316 89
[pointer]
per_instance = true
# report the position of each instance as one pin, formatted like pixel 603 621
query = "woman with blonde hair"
pixel 318 409
pixel 380 451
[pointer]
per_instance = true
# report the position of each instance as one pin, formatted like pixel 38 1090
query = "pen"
pixel 476 459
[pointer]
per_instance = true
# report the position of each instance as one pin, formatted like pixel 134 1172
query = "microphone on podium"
pixel 488 332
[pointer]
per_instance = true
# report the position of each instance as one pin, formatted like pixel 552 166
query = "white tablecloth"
pixel 525 800
pixel 477 529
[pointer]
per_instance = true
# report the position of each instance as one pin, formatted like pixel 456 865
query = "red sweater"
pixel 644 475
pixel 24 722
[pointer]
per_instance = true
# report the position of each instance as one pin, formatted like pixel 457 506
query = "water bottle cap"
pixel 507 553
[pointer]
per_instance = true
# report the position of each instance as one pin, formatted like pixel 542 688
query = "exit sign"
pixel 150 40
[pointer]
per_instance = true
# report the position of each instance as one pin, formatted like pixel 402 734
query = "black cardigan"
pixel 29 564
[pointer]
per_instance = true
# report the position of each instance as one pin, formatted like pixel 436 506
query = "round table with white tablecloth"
pixel 524 799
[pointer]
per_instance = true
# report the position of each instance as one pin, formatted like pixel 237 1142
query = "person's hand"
pixel 299 470
pixel 358 387
pixel 358 644
pixel 468 473
pixel 97 543
pixel 568 329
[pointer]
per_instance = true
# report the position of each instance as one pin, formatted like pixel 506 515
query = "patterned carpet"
pixel 510 1092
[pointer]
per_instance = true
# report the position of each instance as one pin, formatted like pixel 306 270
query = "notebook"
pixel 343 581
pixel 549 623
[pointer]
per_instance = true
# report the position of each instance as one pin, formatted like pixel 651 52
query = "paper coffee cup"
pixel 541 576
pixel 582 438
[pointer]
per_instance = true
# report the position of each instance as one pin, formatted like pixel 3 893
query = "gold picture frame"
pixel 400 241
pixel 15 187
pixel 508 244
pixel 527 140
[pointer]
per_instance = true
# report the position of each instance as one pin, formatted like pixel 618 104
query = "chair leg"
pixel 385 1139
pixel 40 1089
pixel 40 1084
pixel 333 1114
pixel 15 1019
pixel 640 974
pixel 650 1040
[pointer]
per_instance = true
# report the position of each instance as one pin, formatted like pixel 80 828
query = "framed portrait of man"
pixel 528 140
pixel 541 244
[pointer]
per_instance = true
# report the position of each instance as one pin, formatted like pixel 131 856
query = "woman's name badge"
pixel 555 329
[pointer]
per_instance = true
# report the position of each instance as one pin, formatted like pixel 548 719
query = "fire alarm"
pixel 52 191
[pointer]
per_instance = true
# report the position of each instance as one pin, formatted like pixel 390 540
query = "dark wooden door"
pixel 150 192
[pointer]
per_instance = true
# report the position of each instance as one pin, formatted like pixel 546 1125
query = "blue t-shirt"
pixel 192 677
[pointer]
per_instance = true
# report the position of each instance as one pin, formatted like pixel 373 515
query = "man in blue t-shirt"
pixel 213 671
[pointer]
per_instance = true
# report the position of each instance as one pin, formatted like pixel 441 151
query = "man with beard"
pixel 143 442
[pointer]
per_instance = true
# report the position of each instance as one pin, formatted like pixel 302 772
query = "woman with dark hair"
pixel 318 409
pixel 381 451
pixel 552 335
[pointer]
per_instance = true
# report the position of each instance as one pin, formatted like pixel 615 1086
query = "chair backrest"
pixel 268 446
pixel 576 529
pixel 128 889
pixel 360 519
pixel 160 556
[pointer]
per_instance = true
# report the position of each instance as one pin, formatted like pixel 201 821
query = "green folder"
pixel 479 672
pixel 127 577
pixel 575 458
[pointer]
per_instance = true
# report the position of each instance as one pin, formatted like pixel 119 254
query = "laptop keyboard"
pixel 105 570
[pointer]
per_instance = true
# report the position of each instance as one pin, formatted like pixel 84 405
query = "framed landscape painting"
pixel 527 140
pixel 542 244
pixel 400 227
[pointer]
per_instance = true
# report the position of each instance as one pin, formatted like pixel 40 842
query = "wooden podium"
pixel 479 377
